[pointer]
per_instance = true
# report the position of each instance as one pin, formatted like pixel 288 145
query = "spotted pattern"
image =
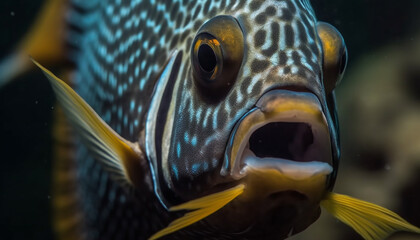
pixel 282 51
pixel 120 46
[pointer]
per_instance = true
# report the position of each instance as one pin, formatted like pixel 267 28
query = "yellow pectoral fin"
pixel 121 158
pixel 371 221
pixel 203 207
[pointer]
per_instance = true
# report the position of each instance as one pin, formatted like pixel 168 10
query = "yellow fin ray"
pixel 371 221
pixel 118 156
pixel 205 206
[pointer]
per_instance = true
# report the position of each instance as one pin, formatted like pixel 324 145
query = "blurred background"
pixel 378 107
pixel 26 108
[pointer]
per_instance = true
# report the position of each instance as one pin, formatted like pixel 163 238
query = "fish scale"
pixel 121 46
pixel 129 212
pixel 97 54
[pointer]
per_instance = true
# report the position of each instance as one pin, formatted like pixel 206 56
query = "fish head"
pixel 253 102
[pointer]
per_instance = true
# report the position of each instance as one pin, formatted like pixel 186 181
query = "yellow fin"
pixel 44 41
pixel 203 207
pixel 120 157
pixel 371 221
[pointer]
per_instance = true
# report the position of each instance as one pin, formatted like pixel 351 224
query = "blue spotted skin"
pixel 120 46
pixel 282 51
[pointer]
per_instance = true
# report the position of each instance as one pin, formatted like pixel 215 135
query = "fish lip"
pixel 273 107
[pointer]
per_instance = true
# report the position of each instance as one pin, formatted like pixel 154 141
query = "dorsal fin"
pixel 371 221
pixel 123 159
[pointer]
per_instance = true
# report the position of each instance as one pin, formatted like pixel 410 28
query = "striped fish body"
pixel 120 49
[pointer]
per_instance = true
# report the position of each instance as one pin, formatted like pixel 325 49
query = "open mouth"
pixel 285 140
pixel 286 131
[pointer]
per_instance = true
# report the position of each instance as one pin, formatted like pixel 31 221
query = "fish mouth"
pixel 286 131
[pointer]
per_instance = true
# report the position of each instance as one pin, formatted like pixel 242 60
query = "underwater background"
pixel 378 107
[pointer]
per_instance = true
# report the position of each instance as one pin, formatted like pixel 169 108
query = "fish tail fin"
pixel 371 221
pixel 44 41
pixel 201 208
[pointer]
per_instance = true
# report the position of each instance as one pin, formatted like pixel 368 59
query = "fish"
pixel 212 119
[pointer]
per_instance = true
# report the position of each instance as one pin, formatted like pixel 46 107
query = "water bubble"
pixel 387 167
pixel 52 108
pixel 36 101
pixel 12 13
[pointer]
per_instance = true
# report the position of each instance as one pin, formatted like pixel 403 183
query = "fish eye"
pixel 216 56
pixel 334 55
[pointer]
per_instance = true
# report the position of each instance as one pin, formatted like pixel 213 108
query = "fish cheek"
pixel 194 171
pixel 189 167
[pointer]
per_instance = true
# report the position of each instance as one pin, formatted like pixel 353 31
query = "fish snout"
pixel 281 151
pixel 283 143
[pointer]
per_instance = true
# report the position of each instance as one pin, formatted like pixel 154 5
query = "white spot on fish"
pixel 132 105
pixel 120 113
pixel 175 171
pixel 195 167
pixel 205 166
pixel 137 71
pixel 125 120
pixel 214 162
pixel 194 141
pixel 142 82
pixel 109 10
pixel 143 65
pixel 294 69
pixel 178 150
pixel 198 114
pixel 118 34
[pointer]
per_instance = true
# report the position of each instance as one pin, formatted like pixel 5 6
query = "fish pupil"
pixel 207 58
